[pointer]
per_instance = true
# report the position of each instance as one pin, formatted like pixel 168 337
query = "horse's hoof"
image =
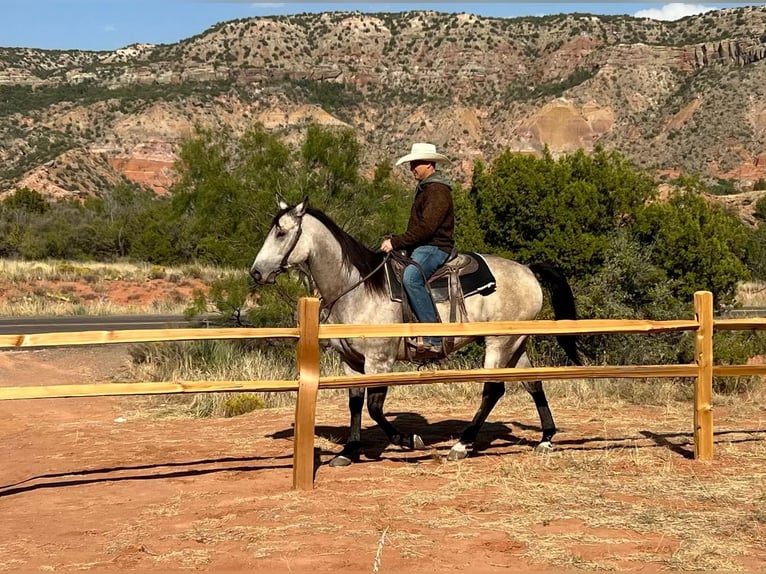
pixel 544 446
pixel 340 460
pixel 417 442
pixel 457 452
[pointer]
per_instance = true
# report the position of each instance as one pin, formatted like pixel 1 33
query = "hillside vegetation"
pixel 672 96
pixel 593 215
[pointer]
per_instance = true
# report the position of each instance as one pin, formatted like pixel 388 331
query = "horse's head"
pixel 281 248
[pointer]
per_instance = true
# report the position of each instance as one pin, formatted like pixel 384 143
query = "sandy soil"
pixel 97 485
pixel 90 484
pixel 120 293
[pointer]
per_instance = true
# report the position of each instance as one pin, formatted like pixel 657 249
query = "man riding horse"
pixel 429 238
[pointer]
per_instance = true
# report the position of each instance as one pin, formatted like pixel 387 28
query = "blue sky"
pixel 112 24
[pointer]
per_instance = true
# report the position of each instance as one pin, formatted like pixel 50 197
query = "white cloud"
pixel 265 5
pixel 673 11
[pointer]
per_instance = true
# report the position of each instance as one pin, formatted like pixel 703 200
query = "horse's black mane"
pixel 355 253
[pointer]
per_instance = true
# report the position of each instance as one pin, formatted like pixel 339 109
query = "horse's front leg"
pixel 499 351
pixel 376 398
pixel 352 450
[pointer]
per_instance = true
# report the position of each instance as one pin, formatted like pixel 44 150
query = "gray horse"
pixel 339 264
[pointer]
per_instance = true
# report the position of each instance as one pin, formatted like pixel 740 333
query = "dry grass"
pixel 47 304
pixel 616 494
pixel 608 498
pixel 225 361
pixel 752 294
pixel 48 288
pixel 28 271
pixel 625 504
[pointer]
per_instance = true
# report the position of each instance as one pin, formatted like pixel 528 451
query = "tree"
pixel 386 206
pixel 563 212
pixel 28 201
pixel 760 208
pixel 698 245
pixel 122 214
pixel 225 195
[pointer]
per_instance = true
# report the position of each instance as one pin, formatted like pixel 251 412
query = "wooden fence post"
pixel 308 385
pixel 703 385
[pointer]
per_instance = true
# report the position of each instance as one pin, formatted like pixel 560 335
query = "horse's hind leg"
pixel 376 397
pixel 535 388
pixel 499 353
pixel 489 397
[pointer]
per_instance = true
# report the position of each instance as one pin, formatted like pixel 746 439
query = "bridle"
pixel 325 306
pixel 283 266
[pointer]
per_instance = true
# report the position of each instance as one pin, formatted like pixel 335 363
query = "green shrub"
pixel 756 253
pixel 735 348
pixel 760 208
pixel 242 403
pixel 722 187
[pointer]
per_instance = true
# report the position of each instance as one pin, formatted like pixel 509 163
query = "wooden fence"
pixel 309 332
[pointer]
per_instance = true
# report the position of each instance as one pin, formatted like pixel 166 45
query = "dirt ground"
pixel 92 484
pixel 121 293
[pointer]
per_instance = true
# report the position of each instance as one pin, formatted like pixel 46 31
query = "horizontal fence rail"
pixel 309 332
pixel 140 336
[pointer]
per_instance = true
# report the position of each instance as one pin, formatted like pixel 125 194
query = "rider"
pixel 429 237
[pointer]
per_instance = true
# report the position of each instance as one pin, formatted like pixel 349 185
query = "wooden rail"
pixel 309 332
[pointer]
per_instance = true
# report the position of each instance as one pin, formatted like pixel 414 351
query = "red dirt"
pixel 116 292
pixel 90 484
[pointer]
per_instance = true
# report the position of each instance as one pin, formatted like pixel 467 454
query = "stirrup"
pixel 418 350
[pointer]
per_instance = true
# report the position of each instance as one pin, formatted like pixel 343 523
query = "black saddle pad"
pixel 480 281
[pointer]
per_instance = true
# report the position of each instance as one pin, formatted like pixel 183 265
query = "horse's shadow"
pixel 492 438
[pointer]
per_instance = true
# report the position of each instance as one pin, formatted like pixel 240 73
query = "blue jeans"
pixel 430 259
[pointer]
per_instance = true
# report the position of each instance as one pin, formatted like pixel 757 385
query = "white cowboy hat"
pixel 423 152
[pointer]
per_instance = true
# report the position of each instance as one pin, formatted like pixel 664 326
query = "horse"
pixel 350 276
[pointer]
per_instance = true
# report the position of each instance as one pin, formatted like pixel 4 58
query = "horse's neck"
pixel 325 262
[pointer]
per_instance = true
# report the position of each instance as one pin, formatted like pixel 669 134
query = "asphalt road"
pixel 68 324
pixel 32 325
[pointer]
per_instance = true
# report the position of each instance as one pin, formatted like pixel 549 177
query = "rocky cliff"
pixel 674 96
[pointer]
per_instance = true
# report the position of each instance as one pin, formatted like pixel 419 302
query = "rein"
pixel 399 256
pixel 327 307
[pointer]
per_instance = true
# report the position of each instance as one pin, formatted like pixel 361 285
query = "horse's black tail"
pixel 563 302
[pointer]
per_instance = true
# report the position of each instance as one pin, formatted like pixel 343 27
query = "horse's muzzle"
pixel 260 279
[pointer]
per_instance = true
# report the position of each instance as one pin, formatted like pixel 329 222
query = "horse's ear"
pixel 281 203
pixel 300 209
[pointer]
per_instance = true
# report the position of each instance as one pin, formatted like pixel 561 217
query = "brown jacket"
pixel 432 217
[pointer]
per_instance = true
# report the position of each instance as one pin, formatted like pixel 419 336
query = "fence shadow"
pixel 107 474
pixel 687 449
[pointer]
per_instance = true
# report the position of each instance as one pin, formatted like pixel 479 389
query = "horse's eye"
pixel 281 233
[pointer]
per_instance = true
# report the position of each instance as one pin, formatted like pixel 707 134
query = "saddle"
pixel 462 275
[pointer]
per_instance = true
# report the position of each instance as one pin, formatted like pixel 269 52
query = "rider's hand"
pixel 386 245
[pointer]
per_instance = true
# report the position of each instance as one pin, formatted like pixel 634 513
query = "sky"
pixel 113 24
